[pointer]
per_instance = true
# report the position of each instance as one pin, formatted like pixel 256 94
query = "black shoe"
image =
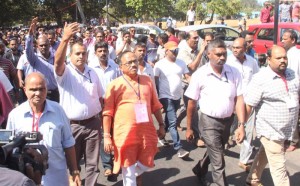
pixel 197 171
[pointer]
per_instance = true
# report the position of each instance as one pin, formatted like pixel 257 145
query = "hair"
pixel 51 32
pixel 131 27
pixel 217 43
pixel 164 37
pixel 100 32
pixel 188 35
pixel 101 44
pixel 120 57
pixel 77 43
pixel 125 33
pixel 293 35
pixel 182 34
pixel 171 30
pixel 142 39
pixel 140 45
pixel 269 52
pixel 14 39
pixel 210 34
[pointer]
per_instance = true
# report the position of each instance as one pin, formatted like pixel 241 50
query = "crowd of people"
pixel 92 96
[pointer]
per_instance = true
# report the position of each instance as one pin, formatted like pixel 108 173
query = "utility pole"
pixel 276 6
pixel 81 11
pixel 107 13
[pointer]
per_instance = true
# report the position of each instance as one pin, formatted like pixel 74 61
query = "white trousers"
pixel 130 173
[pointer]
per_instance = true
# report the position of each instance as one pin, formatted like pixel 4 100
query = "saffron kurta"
pixel 132 141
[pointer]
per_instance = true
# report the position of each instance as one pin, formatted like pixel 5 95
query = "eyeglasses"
pixel 129 63
pixel 43 45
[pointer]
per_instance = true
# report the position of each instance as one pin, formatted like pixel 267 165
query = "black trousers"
pixel 215 133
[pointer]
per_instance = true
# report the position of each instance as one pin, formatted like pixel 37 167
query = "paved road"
pixel 173 171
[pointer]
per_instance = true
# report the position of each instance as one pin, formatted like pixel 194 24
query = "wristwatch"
pixel 241 123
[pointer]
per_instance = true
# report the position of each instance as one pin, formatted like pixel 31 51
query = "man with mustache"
pixel 274 94
pixel 218 89
pixel 107 70
pixel 129 131
pixel 81 97
pixel 43 60
pixel 289 40
pixel 247 66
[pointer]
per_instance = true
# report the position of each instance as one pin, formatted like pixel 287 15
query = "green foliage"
pixel 225 7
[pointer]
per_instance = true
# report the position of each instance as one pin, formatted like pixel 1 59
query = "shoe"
pixel 245 167
pixel 200 143
pixel 197 171
pixel 291 148
pixel 163 142
pixel 107 172
pixel 182 153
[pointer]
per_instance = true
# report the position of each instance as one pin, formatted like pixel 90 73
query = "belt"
pixel 82 122
pixel 221 119
pixel 52 91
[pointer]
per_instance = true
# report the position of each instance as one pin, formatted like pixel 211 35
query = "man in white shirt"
pixel 190 15
pixel 247 66
pixel 144 67
pixel 218 89
pixel 107 70
pixel 126 44
pixel 289 40
pixel 81 98
pixel 168 73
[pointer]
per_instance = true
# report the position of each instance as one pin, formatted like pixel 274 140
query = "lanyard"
pixel 285 83
pixel 137 93
pixel 36 123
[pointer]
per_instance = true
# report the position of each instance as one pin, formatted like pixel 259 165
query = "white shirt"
pixel 170 74
pixel 293 55
pixel 148 71
pixel 247 69
pixel 5 82
pixel 106 75
pixel 191 15
pixel 161 52
pixel 57 136
pixel 79 93
pixel 215 94
pixel 128 47
pixel 111 51
pixel 24 65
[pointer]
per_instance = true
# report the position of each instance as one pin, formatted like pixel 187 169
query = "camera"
pixel 13 150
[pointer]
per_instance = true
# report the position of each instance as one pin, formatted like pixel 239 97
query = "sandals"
pixel 254 182
pixel 107 172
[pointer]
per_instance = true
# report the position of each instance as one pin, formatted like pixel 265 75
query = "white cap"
pixel 152 32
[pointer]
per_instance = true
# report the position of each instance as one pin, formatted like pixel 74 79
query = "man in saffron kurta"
pixel 129 102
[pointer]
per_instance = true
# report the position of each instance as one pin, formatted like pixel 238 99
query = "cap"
pixel 153 32
pixel 245 32
pixel 171 45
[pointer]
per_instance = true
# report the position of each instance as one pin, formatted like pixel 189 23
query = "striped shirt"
pixel 276 103
pixel 8 68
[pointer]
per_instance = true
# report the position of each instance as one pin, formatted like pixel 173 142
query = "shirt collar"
pixel 86 68
pixel 226 69
pixel 29 112
pixel 274 75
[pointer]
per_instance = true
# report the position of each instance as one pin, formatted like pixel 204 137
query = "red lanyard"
pixel 36 123
pixel 285 83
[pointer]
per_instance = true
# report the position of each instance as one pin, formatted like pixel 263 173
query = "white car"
pixel 141 29
pixel 230 33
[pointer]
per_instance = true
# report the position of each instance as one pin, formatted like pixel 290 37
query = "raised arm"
pixel 60 55
pixel 32 58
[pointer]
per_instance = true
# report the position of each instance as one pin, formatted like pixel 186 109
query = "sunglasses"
pixel 175 51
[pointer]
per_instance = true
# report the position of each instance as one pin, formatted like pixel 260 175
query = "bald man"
pixel 247 66
pixel 42 61
pixel 48 118
pixel 274 93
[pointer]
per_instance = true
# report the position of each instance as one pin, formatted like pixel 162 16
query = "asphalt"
pixel 170 170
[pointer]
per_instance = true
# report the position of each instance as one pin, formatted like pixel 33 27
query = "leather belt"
pixel 82 122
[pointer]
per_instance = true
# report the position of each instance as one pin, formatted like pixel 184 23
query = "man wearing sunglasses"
pixel 168 73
